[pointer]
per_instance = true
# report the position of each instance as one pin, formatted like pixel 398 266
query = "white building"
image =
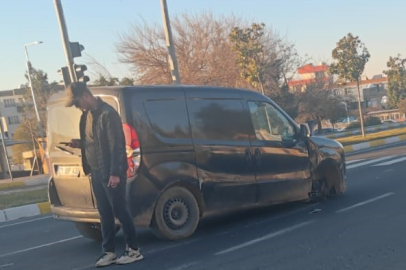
pixel 11 108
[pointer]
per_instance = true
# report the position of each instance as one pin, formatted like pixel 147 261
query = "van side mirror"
pixel 304 131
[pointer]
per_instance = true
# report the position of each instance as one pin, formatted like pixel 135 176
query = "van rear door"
pixel 73 187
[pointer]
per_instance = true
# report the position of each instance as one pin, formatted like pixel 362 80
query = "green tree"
pixel 396 80
pixel 126 81
pixel 248 44
pixel 287 100
pixel 335 110
pixel 402 106
pixel 28 130
pixel 103 81
pixel 351 56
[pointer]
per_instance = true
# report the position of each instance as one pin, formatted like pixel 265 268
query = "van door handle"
pixel 257 156
pixel 248 157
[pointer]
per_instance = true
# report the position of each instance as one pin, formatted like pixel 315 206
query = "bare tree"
pixel 203 49
pixel 317 102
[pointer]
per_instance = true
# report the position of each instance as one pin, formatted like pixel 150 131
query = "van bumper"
pixel 75 214
pixel 92 215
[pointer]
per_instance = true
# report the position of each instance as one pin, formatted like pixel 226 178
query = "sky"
pixel 314 26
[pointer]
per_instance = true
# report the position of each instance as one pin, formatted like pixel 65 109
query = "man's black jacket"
pixel 108 139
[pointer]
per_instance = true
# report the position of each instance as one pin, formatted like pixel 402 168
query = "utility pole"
pixel 173 62
pixel 40 127
pixel 65 39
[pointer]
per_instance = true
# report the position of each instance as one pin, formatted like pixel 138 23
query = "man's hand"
pixel 113 181
pixel 74 143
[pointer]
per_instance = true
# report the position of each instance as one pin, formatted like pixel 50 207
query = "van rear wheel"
pixel 176 214
pixel 89 230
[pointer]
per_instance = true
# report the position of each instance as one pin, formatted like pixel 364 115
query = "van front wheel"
pixel 176 214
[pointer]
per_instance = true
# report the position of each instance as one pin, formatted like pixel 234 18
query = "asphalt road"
pixel 362 229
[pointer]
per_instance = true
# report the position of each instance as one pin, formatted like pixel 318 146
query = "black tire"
pixel 89 230
pixel 176 214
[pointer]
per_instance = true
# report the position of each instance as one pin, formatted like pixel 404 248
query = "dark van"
pixel 193 150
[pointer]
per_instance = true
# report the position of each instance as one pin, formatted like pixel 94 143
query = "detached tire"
pixel 89 230
pixel 176 214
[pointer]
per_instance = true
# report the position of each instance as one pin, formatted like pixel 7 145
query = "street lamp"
pixel 41 134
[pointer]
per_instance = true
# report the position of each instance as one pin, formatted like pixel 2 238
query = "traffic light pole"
pixel 173 62
pixel 65 39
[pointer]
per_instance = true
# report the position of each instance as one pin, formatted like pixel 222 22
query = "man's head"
pixel 79 95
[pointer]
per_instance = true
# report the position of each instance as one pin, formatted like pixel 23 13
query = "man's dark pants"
pixel 111 202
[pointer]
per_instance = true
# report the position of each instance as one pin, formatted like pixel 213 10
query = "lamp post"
pixel 41 133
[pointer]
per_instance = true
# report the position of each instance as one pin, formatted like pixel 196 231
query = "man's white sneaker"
pixel 130 255
pixel 108 258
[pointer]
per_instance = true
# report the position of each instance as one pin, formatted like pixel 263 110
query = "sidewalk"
pixel 24 182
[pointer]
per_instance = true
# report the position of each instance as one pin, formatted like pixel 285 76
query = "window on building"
pixel 9 103
pixel 13 120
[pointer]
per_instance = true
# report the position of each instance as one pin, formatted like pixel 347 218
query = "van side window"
pixel 218 120
pixel 168 118
pixel 269 123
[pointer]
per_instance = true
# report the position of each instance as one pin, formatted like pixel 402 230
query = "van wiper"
pixel 62 149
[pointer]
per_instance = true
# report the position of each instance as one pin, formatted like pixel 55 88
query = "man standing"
pixel 104 156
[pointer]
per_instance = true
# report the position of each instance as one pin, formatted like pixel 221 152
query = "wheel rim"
pixel 176 213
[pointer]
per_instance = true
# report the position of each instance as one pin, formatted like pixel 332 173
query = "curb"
pixel 27 183
pixel 374 143
pixel 25 211
pixel 382 127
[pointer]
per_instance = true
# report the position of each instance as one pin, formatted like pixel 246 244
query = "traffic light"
pixel 80 73
pixel 64 71
pixel 76 49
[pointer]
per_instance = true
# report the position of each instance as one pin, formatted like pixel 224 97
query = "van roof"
pixel 115 90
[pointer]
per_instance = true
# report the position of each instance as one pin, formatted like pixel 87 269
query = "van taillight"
pixel 132 146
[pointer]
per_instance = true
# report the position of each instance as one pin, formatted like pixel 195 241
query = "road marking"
pixel 263 238
pixel 41 246
pixel 352 161
pixel 24 222
pixel 366 202
pixel 184 266
pixel 6 265
pixel 391 162
pixel 368 162
pixel 174 246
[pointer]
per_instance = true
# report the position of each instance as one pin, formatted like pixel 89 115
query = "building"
pixel 385 115
pixel 372 92
pixel 309 74
pixel 11 108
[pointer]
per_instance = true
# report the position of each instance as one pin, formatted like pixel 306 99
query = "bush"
pixel 370 121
